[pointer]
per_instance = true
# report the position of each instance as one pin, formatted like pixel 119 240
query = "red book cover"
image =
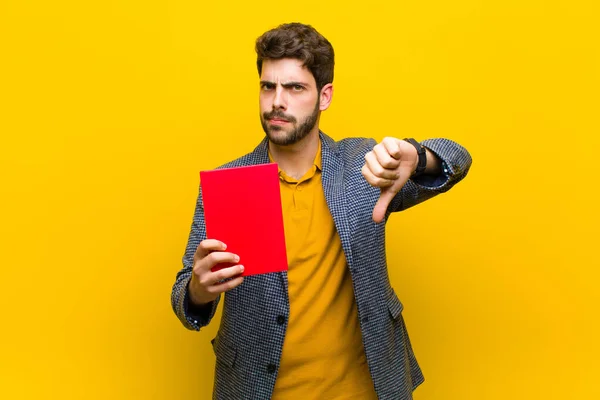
pixel 242 208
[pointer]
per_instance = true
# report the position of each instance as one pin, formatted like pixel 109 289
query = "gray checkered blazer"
pixel 250 338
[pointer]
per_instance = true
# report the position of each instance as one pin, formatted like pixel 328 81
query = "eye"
pixel 298 88
pixel 266 86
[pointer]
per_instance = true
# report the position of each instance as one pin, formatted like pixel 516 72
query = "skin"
pixel 389 166
pixel 290 107
pixel 288 99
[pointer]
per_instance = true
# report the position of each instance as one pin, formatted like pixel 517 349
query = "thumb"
pixel 386 197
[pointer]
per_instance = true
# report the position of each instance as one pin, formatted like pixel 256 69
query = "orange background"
pixel 109 110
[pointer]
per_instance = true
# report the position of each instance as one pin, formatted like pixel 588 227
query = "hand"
pixel 389 166
pixel 204 286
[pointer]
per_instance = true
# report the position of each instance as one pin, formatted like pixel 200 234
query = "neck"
pixel 296 159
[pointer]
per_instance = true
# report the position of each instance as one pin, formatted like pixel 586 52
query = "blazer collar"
pixel 329 150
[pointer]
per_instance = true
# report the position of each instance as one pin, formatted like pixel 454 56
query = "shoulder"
pixel 353 150
pixel 259 155
pixel 242 161
pixel 356 145
pixel 349 146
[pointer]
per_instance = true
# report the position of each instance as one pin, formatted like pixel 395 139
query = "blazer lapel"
pixel 333 186
pixel 260 155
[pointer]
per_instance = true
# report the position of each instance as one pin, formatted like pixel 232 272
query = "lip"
pixel 277 121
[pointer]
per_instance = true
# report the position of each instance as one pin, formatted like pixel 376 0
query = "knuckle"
pixel 383 182
pixel 213 258
pixel 197 275
pixel 388 163
pixel 392 174
pixel 378 170
pixel 203 278
pixel 197 270
pixel 222 274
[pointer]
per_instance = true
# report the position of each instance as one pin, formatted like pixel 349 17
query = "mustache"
pixel 279 115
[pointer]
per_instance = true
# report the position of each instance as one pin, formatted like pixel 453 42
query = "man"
pixel 331 326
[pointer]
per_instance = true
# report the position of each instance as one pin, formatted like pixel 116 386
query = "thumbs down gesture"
pixel 389 166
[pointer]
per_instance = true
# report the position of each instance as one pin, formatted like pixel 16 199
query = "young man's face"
pixel 289 101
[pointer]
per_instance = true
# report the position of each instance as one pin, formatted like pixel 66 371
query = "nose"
pixel 280 100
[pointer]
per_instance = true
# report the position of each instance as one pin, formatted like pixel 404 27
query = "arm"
pixel 191 316
pixel 197 289
pixel 451 163
pixel 391 164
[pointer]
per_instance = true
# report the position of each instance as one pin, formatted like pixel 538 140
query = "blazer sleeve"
pixel 193 318
pixel 456 162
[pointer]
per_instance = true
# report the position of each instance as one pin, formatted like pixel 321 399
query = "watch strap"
pixel 422 154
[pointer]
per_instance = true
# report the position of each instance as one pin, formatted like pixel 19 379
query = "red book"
pixel 242 208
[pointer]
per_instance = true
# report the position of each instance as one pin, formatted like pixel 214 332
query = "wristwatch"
pixel 422 164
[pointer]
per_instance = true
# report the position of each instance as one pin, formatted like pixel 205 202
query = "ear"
pixel 325 97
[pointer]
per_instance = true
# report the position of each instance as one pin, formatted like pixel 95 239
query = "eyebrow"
pixel 287 84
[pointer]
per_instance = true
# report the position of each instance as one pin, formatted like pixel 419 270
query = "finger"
pixel 382 205
pixel 220 257
pixel 222 274
pixel 214 258
pixel 207 246
pixel 385 159
pixel 225 286
pixel 375 180
pixel 377 169
pixel 392 147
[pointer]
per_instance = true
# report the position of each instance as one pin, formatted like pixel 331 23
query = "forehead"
pixel 286 70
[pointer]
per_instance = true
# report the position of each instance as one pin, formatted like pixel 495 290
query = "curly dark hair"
pixel 299 41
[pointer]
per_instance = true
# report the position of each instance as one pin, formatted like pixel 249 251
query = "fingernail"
pixel 241 268
pixel 237 258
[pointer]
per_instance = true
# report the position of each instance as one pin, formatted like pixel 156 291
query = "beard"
pixel 298 132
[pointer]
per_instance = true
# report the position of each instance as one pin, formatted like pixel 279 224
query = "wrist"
pixel 194 299
pixel 421 162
